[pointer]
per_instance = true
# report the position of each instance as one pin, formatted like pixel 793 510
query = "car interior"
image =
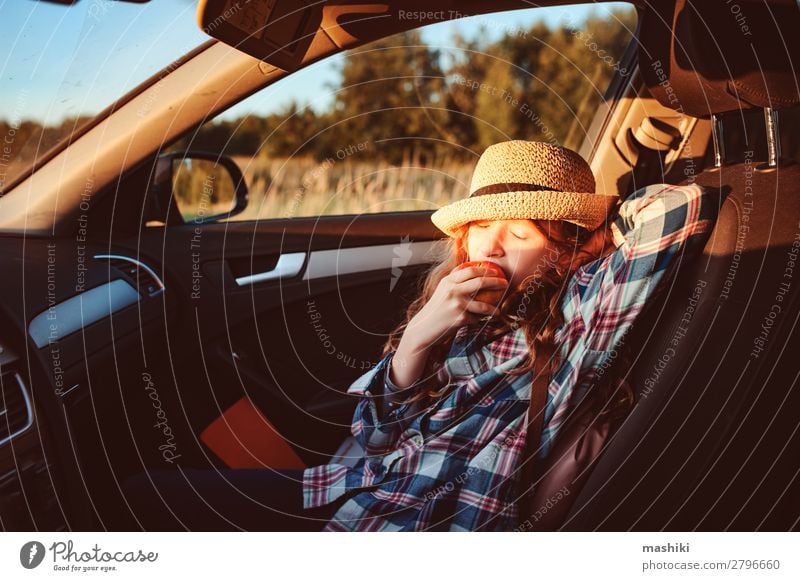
pixel 133 339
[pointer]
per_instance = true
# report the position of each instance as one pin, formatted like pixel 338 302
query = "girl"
pixel 443 417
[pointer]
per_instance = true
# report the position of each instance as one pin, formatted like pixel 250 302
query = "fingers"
pixel 466 274
pixel 486 282
pixel 481 308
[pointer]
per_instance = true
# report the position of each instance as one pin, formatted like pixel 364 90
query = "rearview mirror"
pixel 202 187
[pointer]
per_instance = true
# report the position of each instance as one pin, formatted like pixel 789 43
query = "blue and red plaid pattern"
pixel 453 465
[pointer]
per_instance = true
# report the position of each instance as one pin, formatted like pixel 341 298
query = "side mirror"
pixel 199 186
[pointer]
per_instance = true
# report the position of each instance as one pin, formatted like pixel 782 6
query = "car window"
pixel 397 125
pixel 64 63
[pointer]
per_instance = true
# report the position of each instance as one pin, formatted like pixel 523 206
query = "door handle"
pixel 289 265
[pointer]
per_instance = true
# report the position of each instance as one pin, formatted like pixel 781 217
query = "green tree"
pixel 409 101
pixel 392 96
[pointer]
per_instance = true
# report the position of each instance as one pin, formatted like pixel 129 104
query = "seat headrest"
pixel 710 57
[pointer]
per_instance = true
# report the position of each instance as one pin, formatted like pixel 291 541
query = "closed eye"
pixel 518 236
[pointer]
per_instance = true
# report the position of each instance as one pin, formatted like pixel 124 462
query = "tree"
pixel 406 100
pixel 392 90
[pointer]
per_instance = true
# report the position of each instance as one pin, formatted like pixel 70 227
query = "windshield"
pixel 63 64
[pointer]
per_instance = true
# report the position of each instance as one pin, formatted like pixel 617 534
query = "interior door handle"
pixel 289 265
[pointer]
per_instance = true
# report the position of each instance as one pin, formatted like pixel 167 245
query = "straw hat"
pixel 515 180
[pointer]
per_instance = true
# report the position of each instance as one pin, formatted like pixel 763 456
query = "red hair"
pixel 534 304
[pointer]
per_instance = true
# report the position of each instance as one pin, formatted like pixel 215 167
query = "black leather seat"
pixel 713 441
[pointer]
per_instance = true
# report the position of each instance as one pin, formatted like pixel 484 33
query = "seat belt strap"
pixel 538 400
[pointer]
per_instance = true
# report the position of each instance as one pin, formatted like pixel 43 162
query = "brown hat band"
pixel 510 187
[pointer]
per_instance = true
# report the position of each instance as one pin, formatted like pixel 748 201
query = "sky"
pixel 59 61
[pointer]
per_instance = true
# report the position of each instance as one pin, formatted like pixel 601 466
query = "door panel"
pixel 292 343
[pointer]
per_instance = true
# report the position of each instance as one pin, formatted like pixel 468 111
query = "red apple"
pixel 493 295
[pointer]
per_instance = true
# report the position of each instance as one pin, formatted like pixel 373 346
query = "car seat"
pixel 712 441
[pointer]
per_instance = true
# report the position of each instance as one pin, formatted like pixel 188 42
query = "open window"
pixel 396 125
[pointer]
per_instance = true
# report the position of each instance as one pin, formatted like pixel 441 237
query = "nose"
pixel 491 246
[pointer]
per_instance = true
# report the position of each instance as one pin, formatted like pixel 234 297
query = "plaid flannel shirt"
pixel 453 466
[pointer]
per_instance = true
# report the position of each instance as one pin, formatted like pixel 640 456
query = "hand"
pixel 453 305
pixel 600 243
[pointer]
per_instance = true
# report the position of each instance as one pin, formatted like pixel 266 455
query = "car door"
pixel 288 314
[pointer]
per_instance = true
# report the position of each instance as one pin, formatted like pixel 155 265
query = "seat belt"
pixel 529 462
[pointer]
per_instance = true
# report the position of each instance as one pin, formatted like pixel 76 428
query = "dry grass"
pixel 297 187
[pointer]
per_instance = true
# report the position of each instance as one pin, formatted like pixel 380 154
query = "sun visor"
pixel 722 56
pixel 278 32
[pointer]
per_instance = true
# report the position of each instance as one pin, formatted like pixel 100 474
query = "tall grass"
pixel 298 187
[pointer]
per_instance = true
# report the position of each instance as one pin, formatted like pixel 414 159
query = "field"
pixel 297 187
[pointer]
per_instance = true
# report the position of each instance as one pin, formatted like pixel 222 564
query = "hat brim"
pixel 584 209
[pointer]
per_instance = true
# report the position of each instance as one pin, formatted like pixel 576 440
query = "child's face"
pixel 516 246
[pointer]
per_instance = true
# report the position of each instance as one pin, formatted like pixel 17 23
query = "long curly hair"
pixel 535 305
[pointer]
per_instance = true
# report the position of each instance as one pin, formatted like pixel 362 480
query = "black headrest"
pixel 709 57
